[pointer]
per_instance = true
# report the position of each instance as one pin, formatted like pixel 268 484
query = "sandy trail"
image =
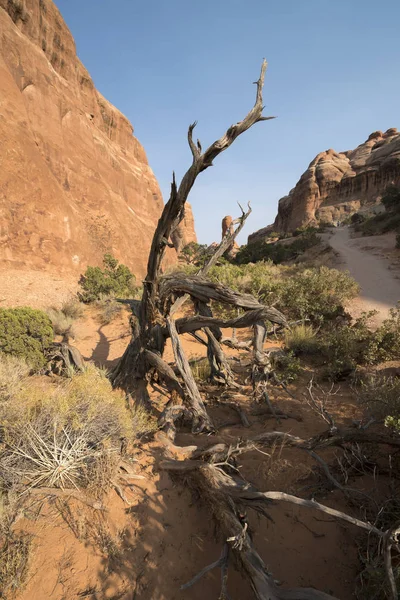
pixel 380 289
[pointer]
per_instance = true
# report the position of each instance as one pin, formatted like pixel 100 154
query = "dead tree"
pixel 163 295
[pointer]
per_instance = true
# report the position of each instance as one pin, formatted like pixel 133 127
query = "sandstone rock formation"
pixel 185 232
pixel 227 225
pixel 74 181
pixel 339 183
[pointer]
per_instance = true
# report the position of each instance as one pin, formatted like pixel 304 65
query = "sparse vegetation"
pixel 62 324
pixel 14 559
pixel 63 318
pixel 114 279
pixel 315 294
pixel 287 366
pixel 381 396
pixel 195 254
pixel 200 368
pixel 302 339
pixel 13 373
pixel 60 436
pixel 25 333
pixel 108 309
pixel 382 222
pixel 277 252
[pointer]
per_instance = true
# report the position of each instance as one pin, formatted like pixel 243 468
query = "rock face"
pixel 339 183
pixel 227 225
pixel 185 232
pixel 74 181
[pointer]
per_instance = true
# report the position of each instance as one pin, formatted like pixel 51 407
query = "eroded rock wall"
pixel 339 183
pixel 74 181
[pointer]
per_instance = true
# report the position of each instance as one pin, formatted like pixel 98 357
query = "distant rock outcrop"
pixel 227 225
pixel 74 181
pixel 339 183
pixel 185 233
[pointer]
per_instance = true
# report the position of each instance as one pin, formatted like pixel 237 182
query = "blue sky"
pixel 333 78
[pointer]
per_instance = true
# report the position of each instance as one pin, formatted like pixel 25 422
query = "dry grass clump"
pixel 143 423
pixel 200 368
pixel 73 308
pixel 14 558
pixel 63 318
pixel 15 548
pixel 62 435
pixel 302 339
pixel 13 373
pixel 108 309
pixel 62 324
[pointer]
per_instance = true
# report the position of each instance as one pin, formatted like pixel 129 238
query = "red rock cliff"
pixel 339 183
pixel 74 181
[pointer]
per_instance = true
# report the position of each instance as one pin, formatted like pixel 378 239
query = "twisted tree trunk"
pixel 163 296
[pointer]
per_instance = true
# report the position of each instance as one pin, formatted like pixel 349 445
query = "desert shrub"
pixel 384 343
pixel 62 436
pixel 14 558
pixel 276 252
pixel 317 294
pixel 72 308
pixel 63 318
pixel 381 397
pixel 62 324
pixel 13 373
pixel 114 278
pixel 287 366
pixel 25 333
pixel 391 198
pixel 108 309
pixel 341 350
pixel 305 229
pixel 302 339
pixel 195 254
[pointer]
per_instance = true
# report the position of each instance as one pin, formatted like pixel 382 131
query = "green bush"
pixel 316 294
pixel 386 221
pixel 287 366
pixel 384 343
pixel 195 254
pixel 391 199
pixel 343 348
pixel 115 279
pixel 277 253
pixel 25 333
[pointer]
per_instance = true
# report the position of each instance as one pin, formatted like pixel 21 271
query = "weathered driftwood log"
pixel 228 497
pixel 212 474
pixel 62 357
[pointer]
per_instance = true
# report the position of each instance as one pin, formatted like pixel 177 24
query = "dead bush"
pixel 108 309
pixel 62 323
pixel 60 436
pixel 73 308
pixel 14 559
pixel 13 373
